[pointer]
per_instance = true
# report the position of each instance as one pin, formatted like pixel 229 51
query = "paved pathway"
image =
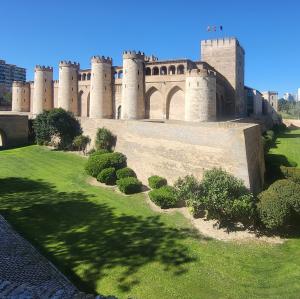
pixel 26 274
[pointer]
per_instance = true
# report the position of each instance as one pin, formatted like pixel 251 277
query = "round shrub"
pixel 156 181
pixel 164 197
pixel 277 204
pixel 129 185
pixel 107 176
pixel 105 139
pixel 274 213
pixel 99 161
pixel 125 172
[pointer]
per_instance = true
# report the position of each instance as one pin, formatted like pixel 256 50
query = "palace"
pixel 143 87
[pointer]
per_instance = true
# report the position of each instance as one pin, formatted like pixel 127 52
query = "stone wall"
pixel 175 149
pixel 13 129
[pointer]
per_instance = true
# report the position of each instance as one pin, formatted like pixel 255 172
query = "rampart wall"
pixel 175 149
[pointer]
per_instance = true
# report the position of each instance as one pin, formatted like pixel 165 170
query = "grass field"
pixel 288 145
pixel 114 244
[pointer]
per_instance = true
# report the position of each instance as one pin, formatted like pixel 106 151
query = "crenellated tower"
pixel 133 86
pixel 68 86
pixel 43 89
pixel 101 102
pixel 228 58
pixel 20 97
pixel 200 95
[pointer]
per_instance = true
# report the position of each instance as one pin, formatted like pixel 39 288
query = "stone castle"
pixel 139 100
pixel 143 87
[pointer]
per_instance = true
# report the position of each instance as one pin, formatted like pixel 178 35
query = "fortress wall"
pixel 175 149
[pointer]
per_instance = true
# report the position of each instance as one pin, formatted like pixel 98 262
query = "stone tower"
pixel 101 88
pixel 133 86
pixel 228 58
pixel 200 95
pixel 43 89
pixel 68 86
pixel 20 97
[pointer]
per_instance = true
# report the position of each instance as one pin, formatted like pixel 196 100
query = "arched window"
pixel 148 71
pixel 172 70
pixel 180 69
pixel 120 74
pixel 115 75
pixel 163 70
pixel 88 76
pixel 83 77
pixel 79 77
pixel 155 71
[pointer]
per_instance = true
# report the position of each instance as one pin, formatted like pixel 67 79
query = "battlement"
pixel 133 54
pixel 101 59
pixel 69 64
pixel 151 58
pixel 43 68
pixel 221 42
pixel 20 84
pixel 201 73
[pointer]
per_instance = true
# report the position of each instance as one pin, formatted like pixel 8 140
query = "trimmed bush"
pixel 99 161
pixel 125 172
pixel 163 197
pixel 279 203
pixel 291 173
pixel 274 213
pixel 129 185
pixel 107 176
pixel 105 139
pixel 156 181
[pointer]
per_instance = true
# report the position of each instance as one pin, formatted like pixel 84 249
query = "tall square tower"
pixel 228 58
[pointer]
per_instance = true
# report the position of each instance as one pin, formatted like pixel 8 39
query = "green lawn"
pixel 288 145
pixel 115 244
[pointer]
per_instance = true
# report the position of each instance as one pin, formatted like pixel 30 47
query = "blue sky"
pixel 45 32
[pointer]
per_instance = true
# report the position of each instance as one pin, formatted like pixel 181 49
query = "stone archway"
pixel 154 104
pixel 175 104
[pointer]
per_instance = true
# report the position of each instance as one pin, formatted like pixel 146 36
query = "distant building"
pixel 289 97
pixel 254 102
pixel 270 106
pixel 10 73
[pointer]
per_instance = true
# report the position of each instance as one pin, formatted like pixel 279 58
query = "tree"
pixel 57 124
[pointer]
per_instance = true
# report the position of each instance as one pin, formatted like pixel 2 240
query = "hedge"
pixel 156 181
pixel 129 185
pixel 164 197
pixel 107 176
pixel 125 173
pixel 99 161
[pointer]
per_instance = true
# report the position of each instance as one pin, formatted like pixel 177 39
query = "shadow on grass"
pixel 78 234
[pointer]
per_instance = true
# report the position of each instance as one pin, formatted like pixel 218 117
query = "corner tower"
pixel 200 95
pixel 68 86
pixel 101 88
pixel 228 58
pixel 133 86
pixel 43 89
pixel 20 97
